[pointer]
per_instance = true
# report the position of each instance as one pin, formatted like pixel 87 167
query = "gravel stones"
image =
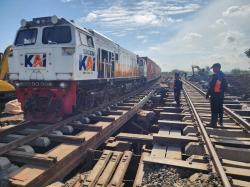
pixel 4 163
pixel 157 175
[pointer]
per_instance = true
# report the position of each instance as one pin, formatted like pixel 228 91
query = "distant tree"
pixel 247 52
pixel 239 72
pixel 175 70
pixel 181 72
pixel 235 71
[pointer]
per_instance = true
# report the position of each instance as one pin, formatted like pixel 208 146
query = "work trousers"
pixel 177 95
pixel 216 101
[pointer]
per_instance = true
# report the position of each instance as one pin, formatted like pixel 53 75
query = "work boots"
pixel 221 119
pixel 214 119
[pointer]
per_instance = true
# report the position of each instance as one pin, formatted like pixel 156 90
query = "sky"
pixel 174 33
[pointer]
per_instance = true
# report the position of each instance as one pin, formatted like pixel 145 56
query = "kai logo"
pixel 35 60
pixel 86 63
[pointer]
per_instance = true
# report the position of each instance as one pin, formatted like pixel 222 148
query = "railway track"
pixel 38 154
pixel 159 145
pixel 219 150
pixel 177 148
pixel 211 139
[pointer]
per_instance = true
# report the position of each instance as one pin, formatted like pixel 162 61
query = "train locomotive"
pixel 59 67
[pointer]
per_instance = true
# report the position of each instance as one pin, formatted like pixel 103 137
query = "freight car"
pixel 152 70
pixel 59 67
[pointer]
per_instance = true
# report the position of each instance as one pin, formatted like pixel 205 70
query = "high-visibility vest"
pixel 217 86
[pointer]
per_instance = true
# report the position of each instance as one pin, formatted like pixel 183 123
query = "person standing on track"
pixel 216 89
pixel 177 89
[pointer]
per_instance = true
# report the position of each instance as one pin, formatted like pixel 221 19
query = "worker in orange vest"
pixel 217 87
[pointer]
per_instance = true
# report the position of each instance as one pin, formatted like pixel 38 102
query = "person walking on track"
pixel 177 89
pixel 216 89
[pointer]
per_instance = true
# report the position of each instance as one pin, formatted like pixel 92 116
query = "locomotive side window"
pixel 83 39
pixel 56 35
pixel 26 37
pixel 90 41
pixel 102 56
pixel 104 62
pixel 112 64
pixel 116 57
pixel 99 62
pixel 116 66
pixel 86 40
pixel 108 65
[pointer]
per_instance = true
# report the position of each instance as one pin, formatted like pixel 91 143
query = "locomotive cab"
pixel 45 49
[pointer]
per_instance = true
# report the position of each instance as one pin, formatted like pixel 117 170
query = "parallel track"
pixel 179 137
pixel 209 146
pixel 185 140
pixel 210 149
pixel 241 121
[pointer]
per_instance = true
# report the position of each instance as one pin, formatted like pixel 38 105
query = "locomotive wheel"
pixel 80 102
pixel 106 98
pixel 89 101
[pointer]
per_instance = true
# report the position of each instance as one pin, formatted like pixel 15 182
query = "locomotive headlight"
pixel 63 85
pixel 11 53
pixel 23 22
pixel 38 21
pixel 17 84
pixel 54 19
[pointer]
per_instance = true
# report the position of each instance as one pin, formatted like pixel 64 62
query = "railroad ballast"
pixel 59 67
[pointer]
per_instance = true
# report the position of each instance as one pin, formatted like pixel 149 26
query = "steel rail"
pixel 61 168
pixel 242 122
pixel 215 159
pixel 19 126
pixel 19 142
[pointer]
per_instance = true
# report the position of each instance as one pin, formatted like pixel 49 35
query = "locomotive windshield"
pixel 26 37
pixel 56 35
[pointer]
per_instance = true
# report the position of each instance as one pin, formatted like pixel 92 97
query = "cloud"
pixel 172 10
pixel 121 16
pixel 141 13
pixel 140 52
pixel 220 21
pixel 192 36
pixel 179 33
pixel 237 11
pixel 143 38
pixel 91 17
pixel 136 17
pixel 144 41
pixel 231 37
pixel 66 1
pixel 118 33
pixel 153 48
pixel 217 33
pixel 154 32
pixel 140 37
pixel 231 40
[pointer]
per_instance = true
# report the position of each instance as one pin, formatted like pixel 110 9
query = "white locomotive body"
pixel 58 66
pixel 64 51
